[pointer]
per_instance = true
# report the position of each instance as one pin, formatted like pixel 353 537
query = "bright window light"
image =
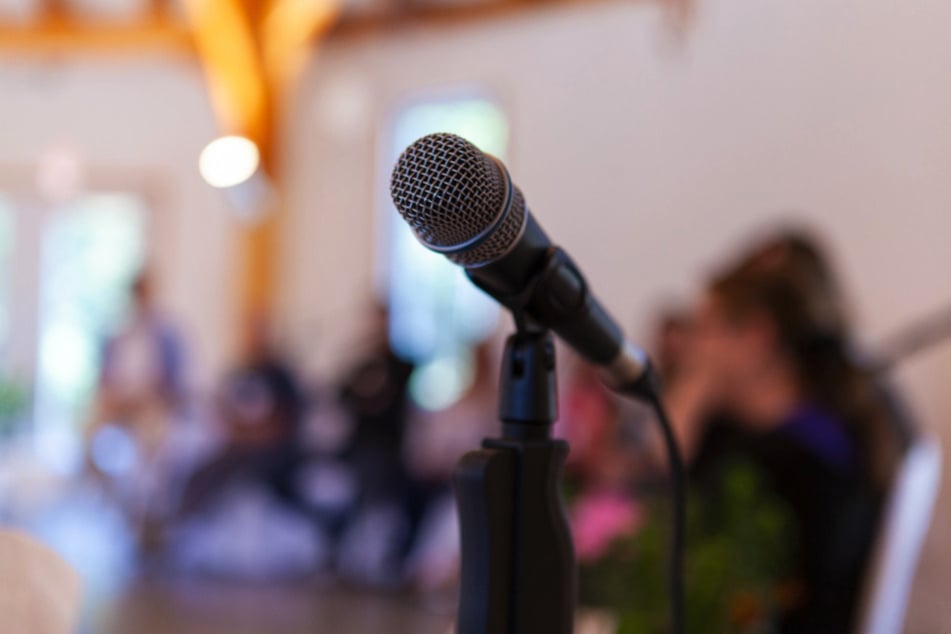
pixel 228 161
pixel 91 251
pixel 7 244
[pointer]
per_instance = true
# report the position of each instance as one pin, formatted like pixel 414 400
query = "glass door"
pixel 64 277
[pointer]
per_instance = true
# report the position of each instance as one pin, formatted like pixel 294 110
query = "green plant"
pixel 738 553
pixel 14 398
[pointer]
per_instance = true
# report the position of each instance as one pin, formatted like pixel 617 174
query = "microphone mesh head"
pixel 450 192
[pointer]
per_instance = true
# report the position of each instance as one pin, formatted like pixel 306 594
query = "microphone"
pixel 462 203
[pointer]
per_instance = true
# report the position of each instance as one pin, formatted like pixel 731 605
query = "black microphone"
pixel 461 202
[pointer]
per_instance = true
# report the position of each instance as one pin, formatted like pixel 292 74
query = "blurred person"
pixel 374 394
pixel 770 377
pixel 599 467
pixel 436 442
pixel 587 420
pixel 140 391
pixel 262 407
pixel 672 339
pixel 142 378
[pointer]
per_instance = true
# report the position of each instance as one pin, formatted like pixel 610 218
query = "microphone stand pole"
pixel 518 564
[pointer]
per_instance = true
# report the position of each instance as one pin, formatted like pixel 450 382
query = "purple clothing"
pixel 822 434
pixel 168 347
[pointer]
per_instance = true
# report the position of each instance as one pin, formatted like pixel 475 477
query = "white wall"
pixel 136 123
pixel 649 163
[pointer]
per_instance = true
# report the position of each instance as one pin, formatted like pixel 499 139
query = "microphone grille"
pixel 450 192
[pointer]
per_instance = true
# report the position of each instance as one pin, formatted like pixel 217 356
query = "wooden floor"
pixel 195 607
pixel 128 592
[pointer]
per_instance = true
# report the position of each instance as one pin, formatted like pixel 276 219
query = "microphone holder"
pixel 518 565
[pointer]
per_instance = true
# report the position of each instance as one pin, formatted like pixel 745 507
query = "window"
pixel 90 252
pixel 436 314
pixel 14 395
pixel 7 236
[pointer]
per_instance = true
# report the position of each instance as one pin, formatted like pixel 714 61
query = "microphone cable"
pixel 678 485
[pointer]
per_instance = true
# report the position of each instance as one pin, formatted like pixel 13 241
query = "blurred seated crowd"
pixel 791 443
pixel 277 477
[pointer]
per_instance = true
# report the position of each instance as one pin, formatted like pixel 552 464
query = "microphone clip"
pixel 553 296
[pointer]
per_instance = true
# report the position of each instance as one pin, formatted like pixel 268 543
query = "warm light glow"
pixel 229 161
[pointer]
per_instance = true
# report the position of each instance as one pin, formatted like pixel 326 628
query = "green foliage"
pixel 14 397
pixel 738 551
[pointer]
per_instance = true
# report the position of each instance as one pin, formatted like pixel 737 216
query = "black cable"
pixel 679 525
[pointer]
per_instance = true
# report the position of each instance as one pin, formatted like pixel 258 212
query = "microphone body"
pixel 462 203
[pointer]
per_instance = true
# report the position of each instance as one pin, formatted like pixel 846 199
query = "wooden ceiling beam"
pixel 61 36
pixel 53 11
pixel 58 32
pixel 407 14
pixel 159 10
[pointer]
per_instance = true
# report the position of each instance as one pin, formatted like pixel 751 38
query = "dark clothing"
pixel 812 464
pixel 375 396
pixel 263 409
pixel 273 467
pixel 264 399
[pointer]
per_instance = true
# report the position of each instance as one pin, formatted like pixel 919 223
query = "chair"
pixel 906 517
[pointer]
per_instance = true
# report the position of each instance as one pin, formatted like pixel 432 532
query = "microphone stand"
pixel 518 564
